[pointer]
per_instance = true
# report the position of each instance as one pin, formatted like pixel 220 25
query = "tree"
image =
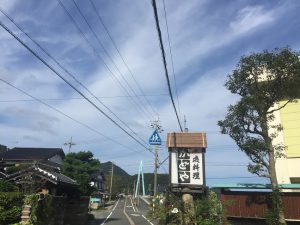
pixel 262 80
pixel 81 166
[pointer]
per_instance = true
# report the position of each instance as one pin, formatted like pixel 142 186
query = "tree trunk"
pixel 277 206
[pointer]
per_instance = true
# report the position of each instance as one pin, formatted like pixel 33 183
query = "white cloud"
pixel 251 18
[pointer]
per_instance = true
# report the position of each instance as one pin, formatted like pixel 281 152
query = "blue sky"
pixel 207 39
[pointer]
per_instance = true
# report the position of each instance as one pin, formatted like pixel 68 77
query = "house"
pixel 49 156
pixel 98 181
pixel 3 148
pixel 36 170
pixel 98 197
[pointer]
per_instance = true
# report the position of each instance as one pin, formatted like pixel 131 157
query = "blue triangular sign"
pixel 155 139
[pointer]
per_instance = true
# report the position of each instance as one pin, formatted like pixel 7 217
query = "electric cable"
pixel 110 58
pixel 69 73
pixel 76 98
pixel 96 53
pixel 106 52
pixel 66 115
pixel 164 60
pixel 121 56
pixel 71 85
pixel 171 56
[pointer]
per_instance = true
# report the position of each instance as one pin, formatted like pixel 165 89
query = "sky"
pixel 118 60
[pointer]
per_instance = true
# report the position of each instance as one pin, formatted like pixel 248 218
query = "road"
pixel 123 213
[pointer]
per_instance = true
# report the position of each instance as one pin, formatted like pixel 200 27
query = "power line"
pixel 79 98
pixel 109 56
pixel 69 73
pixel 97 55
pixel 71 85
pixel 164 61
pixel 121 56
pixel 64 114
pixel 171 55
pixel 106 52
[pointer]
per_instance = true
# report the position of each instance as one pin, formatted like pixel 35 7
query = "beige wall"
pixel 289 118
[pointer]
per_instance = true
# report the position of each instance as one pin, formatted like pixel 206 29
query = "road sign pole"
pixel 156 141
pixel 155 170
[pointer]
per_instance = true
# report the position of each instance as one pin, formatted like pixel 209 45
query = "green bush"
pixel 10 207
pixel 166 210
pixel 209 210
pixel 7 187
pixel 170 210
pixel 42 209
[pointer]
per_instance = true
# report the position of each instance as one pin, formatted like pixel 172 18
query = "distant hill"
pixel 106 167
pixel 123 182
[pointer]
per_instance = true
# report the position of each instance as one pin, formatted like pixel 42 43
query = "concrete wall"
pixel 289 118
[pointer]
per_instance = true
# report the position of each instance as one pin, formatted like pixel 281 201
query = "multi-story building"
pixel 288 167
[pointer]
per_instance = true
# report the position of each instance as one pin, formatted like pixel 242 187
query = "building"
pixel 49 156
pixel 288 168
pixel 36 170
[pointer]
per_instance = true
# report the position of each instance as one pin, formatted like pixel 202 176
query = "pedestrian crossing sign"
pixel 155 139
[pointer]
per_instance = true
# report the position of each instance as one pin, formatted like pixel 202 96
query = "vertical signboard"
pixel 187 165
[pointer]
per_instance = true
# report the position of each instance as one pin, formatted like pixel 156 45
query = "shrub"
pixel 7 187
pixel 170 210
pixel 42 210
pixel 10 207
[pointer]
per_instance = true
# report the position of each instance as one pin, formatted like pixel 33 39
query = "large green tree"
pixel 262 80
pixel 81 166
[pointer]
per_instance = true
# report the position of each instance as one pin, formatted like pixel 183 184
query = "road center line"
pixel 128 217
pixel 132 204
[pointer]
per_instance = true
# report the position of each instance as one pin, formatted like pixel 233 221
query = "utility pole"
pixel 70 144
pixel 133 191
pixel 155 170
pixel 111 180
pixel 156 126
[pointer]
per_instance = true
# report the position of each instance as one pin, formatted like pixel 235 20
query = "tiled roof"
pixel 57 177
pixel 54 177
pixel 30 154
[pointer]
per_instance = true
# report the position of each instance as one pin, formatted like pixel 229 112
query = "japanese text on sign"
pixel 189 166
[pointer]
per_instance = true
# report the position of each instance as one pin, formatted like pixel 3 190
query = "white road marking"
pixel 135 214
pixel 128 217
pixel 147 220
pixel 110 213
pixel 132 204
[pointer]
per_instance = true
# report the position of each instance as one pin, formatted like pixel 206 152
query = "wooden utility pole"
pixel 70 144
pixel 158 128
pixel 111 180
pixel 155 171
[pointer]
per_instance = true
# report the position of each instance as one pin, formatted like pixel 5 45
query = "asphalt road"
pixel 123 213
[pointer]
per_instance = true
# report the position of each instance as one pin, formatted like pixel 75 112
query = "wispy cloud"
pixel 251 18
